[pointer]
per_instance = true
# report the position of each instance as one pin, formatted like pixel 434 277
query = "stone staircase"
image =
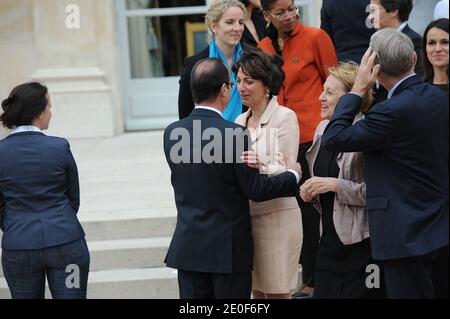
pixel 128 213
pixel 127 258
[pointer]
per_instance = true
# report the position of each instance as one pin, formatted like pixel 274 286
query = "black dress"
pixel 185 102
pixel 442 87
pixel 260 26
pixel 340 269
pixel 440 270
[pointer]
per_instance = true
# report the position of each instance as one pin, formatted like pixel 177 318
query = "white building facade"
pixel 110 65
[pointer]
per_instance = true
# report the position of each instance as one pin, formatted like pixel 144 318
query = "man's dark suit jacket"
pixel 404 141
pixel 417 41
pixel 345 23
pixel 185 102
pixel 213 232
pixel 39 192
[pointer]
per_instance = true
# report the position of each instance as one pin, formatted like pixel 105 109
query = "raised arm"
pixel 373 132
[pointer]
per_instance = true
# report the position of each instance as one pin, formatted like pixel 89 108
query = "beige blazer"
pixel 350 212
pixel 277 133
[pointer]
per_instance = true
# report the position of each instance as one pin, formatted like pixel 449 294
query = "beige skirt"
pixel 277 241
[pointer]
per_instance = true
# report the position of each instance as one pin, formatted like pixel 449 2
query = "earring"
pixel 268 25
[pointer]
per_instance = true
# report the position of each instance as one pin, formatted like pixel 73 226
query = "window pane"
pixel 152 4
pixel 158 45
pixel 304 16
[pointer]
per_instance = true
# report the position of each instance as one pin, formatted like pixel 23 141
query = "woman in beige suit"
pixel 276 224
pixel 338 189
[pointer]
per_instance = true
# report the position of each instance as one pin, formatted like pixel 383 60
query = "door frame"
pixel 133 123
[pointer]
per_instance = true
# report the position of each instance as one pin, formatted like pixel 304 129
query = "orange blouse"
pixel 307 54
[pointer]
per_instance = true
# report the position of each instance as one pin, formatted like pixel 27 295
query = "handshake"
pixel 252 160
pixel 309 190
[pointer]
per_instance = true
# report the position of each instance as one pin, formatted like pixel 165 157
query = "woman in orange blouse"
pixel 308 53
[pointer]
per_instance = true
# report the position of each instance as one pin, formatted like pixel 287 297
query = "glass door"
pixel 154 38
pixel 308 12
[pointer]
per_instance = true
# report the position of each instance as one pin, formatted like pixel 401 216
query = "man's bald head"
pixel 207 78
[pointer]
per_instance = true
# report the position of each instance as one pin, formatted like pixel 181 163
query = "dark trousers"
pixel 440 274
pixel 410 277
pixel 66 267
pixel 198 285
pixel 311 222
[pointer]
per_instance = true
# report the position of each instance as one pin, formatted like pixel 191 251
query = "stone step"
pixel 126 253
pixel 114 226
pixel 151 283
pixel 119 225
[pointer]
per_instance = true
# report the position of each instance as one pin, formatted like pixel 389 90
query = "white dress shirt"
pixel 401 27
pixel 25 128
pixel 202 107
pixel 392 91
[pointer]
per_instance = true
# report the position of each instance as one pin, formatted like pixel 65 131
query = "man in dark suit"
pixel 345 23
pixel 406 163
pixel 212 246
pixel 395 14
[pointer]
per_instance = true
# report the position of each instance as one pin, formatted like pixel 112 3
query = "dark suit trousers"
pixel 198 285
pixel 311 222
pixel 440 274
pixel 410 277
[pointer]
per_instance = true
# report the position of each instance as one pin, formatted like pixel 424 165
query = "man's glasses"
pixel 287 14
pixel 230 85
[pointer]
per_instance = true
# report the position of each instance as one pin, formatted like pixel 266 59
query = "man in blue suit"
pixel 405 145
pixel 395 14
pixel 212 246
pixel 345 21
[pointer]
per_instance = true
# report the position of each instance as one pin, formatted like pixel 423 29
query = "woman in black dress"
pixel 255 27
pixel 436 55
pixel 338 190
pixel 435 52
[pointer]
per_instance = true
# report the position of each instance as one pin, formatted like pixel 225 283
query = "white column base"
pixel 81 102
